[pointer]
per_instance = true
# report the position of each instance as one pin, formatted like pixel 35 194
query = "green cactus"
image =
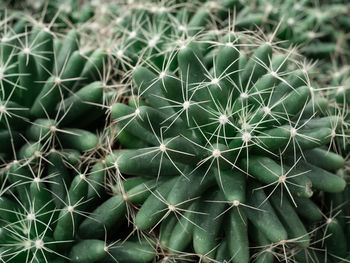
pixel 247 111
pixel 173 131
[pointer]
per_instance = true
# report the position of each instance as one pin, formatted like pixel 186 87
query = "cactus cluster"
pixel 319 29
pixel 174 131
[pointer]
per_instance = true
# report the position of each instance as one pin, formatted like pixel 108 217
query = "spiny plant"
pixel 170 136
pixel 231 127
pixel 50 97
pixel 133 32
pixel 319 27
pixel 67 12
pixel 334 76
pixel 42 78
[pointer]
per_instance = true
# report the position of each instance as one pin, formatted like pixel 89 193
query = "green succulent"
pixel 173 131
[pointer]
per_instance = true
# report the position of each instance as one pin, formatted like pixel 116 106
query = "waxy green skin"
pixel 50 87
pixel 248 123
pixel 197 149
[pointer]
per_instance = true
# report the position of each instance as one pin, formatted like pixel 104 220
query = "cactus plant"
pixel 163 132
pixel 47 85
pixel 242 121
